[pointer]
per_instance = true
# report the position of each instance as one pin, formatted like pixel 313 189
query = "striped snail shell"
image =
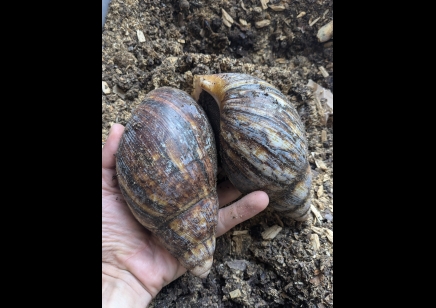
pixel 166 165
pixel 262 141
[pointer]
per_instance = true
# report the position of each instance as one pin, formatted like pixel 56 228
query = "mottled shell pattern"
pixel 166 166
pixel 262 141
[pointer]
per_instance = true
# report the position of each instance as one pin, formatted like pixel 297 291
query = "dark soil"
pixel 184 38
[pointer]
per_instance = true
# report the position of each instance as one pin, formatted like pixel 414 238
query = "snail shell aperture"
pixel 262 141
pixel 167 166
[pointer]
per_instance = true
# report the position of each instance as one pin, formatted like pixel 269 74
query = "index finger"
pixel 243 209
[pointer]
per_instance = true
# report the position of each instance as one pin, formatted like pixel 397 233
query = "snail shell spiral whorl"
pixel 262 141
pixel 166 166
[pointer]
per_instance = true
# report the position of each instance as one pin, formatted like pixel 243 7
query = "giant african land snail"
pixel 167 159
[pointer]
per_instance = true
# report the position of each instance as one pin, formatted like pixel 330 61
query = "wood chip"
pixel 239 245
pixel 141 37
pixel 241 232
pixel 279 221
pixel 225 22
pixel 271 232
pixel 172 60
pixel 314 241
pixel 243 6
pixel 181 41
pixel 323 71
pixel 318 204
pixel 262 23
pixel 301 14
pixel 324 231
pixel 322 94
pixel 264 4
pixel 321 112
pixel 119 91
pixel 227 19
pixel 314 22
pixel 318 230
pixel 243 22
pixel 320 191
pixel 324 200
pixel 320 164
pixel 105 88
pixel 325 32
pixel 235 293
pixel 329 234
pixel 288 285
pixel 316 213
pixel 239 265
pixel 277 8
pixel 323 136
pixel 265 243
pixel 316 281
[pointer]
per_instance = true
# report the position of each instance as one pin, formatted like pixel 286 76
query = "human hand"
pixel 135 267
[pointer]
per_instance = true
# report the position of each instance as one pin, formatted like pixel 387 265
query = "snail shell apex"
pixel 166 166
pixel 262 141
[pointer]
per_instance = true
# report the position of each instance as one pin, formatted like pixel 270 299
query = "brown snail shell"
pixel 262 141
pixel 166 166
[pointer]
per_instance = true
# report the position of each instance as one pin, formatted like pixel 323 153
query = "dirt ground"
pixel 152 43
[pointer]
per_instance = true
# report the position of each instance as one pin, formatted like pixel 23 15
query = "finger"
pixel 227 193
pixel 111 146
pixel 241 210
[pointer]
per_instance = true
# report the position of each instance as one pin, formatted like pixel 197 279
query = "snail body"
pixel 166 166
pixel 262 143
